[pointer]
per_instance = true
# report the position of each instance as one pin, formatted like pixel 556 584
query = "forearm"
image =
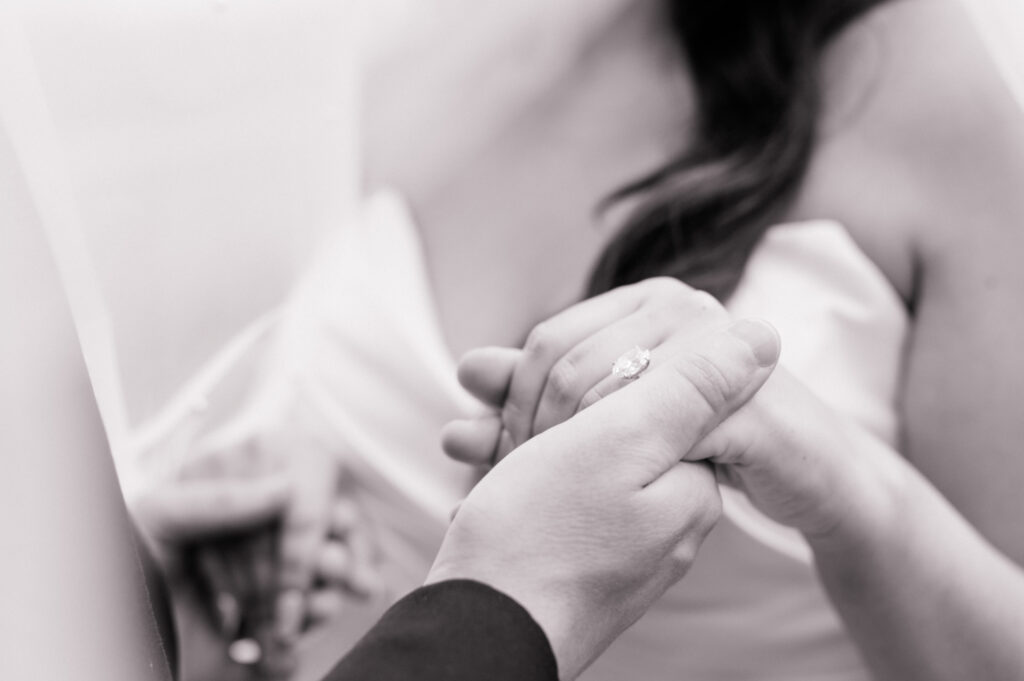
pixel 923 594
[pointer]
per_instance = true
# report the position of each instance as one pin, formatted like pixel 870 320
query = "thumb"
pixel 671 408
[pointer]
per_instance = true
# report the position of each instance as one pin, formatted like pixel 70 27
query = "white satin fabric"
pixel 1001 25
pixel 186 157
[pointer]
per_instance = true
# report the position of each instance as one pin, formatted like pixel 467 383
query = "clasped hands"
pixel 784 448
pixel 628 489
pixel 609 492
pixel 259 543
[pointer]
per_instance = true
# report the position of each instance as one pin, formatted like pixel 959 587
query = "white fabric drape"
pixel 1001 24
pixel 196 152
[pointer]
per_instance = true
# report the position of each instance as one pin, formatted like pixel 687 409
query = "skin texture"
pixel 920 590
pixel 943 142
pixel 601 572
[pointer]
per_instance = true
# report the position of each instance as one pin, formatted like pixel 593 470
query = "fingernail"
pixel 761 337
pixel 229 613
pixel 289 615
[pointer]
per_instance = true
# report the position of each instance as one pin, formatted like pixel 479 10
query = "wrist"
pixel 867 497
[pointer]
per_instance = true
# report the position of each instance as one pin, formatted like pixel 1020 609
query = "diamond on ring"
pixel 632 363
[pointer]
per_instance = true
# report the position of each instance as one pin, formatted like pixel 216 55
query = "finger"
pixel 676 341
pixel 253 559
pixel 225 595
pixel 239 573
pixel 486 372
pixel 602 390
pixel 685 497
pixel 772 417
pixel 363 577
pixel 505 445
pixel 200 509
pixel 334 566
pixel 349 560
pixel 325 605
pixel 729 442
pixel 345 517
pixel 303 532
pixel 659 419
pixel 548 342
pixel 472 441
pixel 589 363
pixel 263 562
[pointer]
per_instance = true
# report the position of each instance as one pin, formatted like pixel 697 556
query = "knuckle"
pixel 665 286
pixel 663 316
pixel 712 384
pixel 704 301
pixel 540 342
pixel 694 303
pixel 683 556
pixel 702 520
pixel 671 302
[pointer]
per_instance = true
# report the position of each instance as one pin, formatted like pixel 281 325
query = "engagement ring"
pixel 632 363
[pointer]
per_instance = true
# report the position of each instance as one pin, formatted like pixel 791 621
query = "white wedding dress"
pixel 187 158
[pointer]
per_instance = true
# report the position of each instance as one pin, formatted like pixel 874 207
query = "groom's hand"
pixel 589 522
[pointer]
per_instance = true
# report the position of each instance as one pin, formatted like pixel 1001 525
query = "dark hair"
pixel 754 66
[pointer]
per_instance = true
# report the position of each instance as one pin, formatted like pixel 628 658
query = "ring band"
pixel 632 363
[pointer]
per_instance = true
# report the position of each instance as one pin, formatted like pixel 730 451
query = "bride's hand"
pixel 272 582
pixel 174 520
pixel 803 464
pixel 566 362
pixel 787 450
pixel 205 525
pixel 587 524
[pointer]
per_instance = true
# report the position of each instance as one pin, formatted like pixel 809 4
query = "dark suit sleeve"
pixel 451 631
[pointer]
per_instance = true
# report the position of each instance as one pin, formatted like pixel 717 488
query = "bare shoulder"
pixel 922 157
pixel 921 139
